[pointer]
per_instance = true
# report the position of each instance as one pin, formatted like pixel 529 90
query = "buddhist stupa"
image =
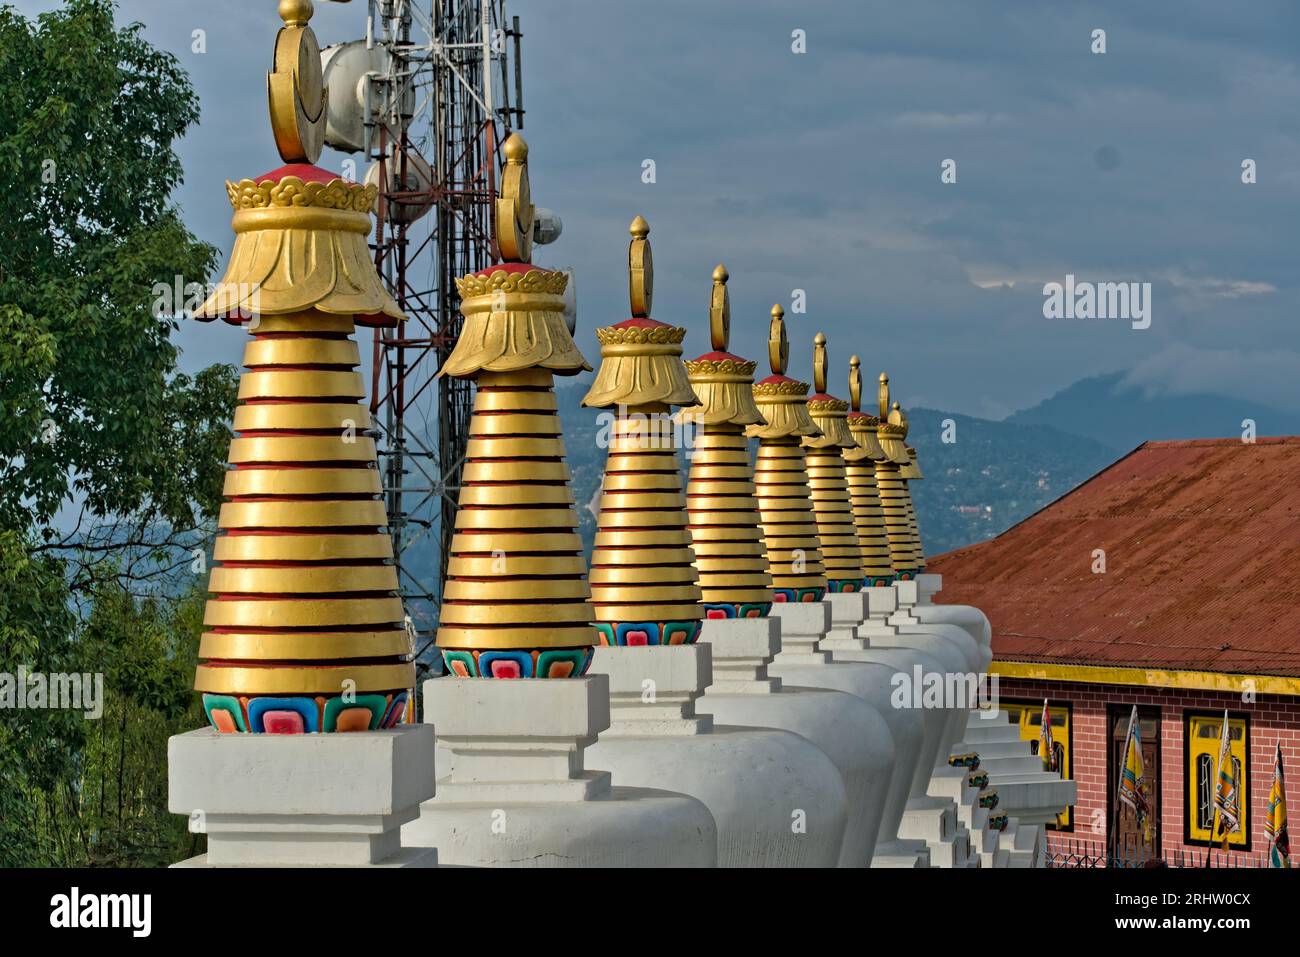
pixel 894 497
pixel 781 477
pixel 643 580
pixel 860 471
pixel 516 603
pixel 912 473
pixel 729 550
pixel 304 627
pixel 836 528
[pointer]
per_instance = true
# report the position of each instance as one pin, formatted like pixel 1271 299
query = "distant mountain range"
pixel 1123 417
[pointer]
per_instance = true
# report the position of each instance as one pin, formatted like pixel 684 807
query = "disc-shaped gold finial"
pixel 778 346
pixel 295 87
pixel 514 207
pixel 819 363
pixel 720 310
pixel 640 269
pixel 883 395
pixel 855 383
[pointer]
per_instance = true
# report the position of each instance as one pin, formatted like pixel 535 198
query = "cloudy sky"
pixel 821 171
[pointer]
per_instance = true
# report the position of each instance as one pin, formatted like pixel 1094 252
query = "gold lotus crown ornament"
pixel 516 603
pixel 781 477
pixel 643 579
pixel 720 496
pixel 860 472
pixel 841 553
pixel 304 629
pixel 895 499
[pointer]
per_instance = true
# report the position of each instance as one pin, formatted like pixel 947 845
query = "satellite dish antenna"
pixel 419 179
pixel 351 70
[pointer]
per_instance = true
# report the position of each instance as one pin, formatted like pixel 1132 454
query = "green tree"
pixel 111 460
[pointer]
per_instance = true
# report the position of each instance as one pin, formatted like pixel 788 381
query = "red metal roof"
pixel 1202 558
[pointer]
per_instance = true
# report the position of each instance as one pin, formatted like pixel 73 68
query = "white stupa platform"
pixel 842 725
pixel 803 661
pixel 1026 791
pixel 303 800
pixel 778 800
pixel 517 792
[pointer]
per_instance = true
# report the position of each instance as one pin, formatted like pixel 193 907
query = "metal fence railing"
pixel 1079 853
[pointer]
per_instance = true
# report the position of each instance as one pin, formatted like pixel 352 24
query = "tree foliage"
pixel 92 405
pixel 109 455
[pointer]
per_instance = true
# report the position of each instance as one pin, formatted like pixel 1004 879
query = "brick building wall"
pixel 1270 719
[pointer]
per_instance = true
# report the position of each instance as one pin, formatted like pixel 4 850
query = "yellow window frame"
pixel 1201 735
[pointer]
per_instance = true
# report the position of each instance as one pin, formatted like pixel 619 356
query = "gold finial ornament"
pixel 300 231
pixel 841 552
pixel 515 211
pixel 304 631
pixel 514 312
pixel 864 495
pixel 720 310
pixel 516 603
pixel 781 477
pixel 720 496
pixel 644 585
pixel 778 346
pixel 640 269
pixel 895 499
pixel 296 87
pixel 819 363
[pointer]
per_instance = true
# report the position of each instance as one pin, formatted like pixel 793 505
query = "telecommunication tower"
pixel 426 98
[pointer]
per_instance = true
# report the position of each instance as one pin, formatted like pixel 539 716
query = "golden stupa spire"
pixel 643 580
pixel 841 553
pixel 304 630
pixel 781 476
pixel 860 472
pixel 895 500
pixel 729 550
pixel 516 603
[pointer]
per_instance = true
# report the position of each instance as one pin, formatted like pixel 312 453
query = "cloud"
pixel 1267 376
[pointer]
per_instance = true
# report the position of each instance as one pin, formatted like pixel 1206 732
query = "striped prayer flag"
pixel 1046 746
pixel 1279 845
pixel 1227 800
pixel 1132 782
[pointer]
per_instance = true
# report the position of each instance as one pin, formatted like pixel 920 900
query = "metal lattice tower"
pixel 445 92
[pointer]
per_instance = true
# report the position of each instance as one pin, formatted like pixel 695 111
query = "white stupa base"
pixel 910 664
pixel 803 662
pixel 985 840
pixel 967 617
pixel 899 853
pixel 842 725
pixel 303 800
pixel 960 657
pixel 517 793
pixel 778 800
pixel 934 821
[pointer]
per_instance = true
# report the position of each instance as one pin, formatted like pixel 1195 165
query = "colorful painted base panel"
pixel 905 576
pixel 879 581
pixel 304 714
pixel 635 634
pixel 517 663
pixel 844 585
pixel 989 800
pixel 799 594
pixel 720 610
